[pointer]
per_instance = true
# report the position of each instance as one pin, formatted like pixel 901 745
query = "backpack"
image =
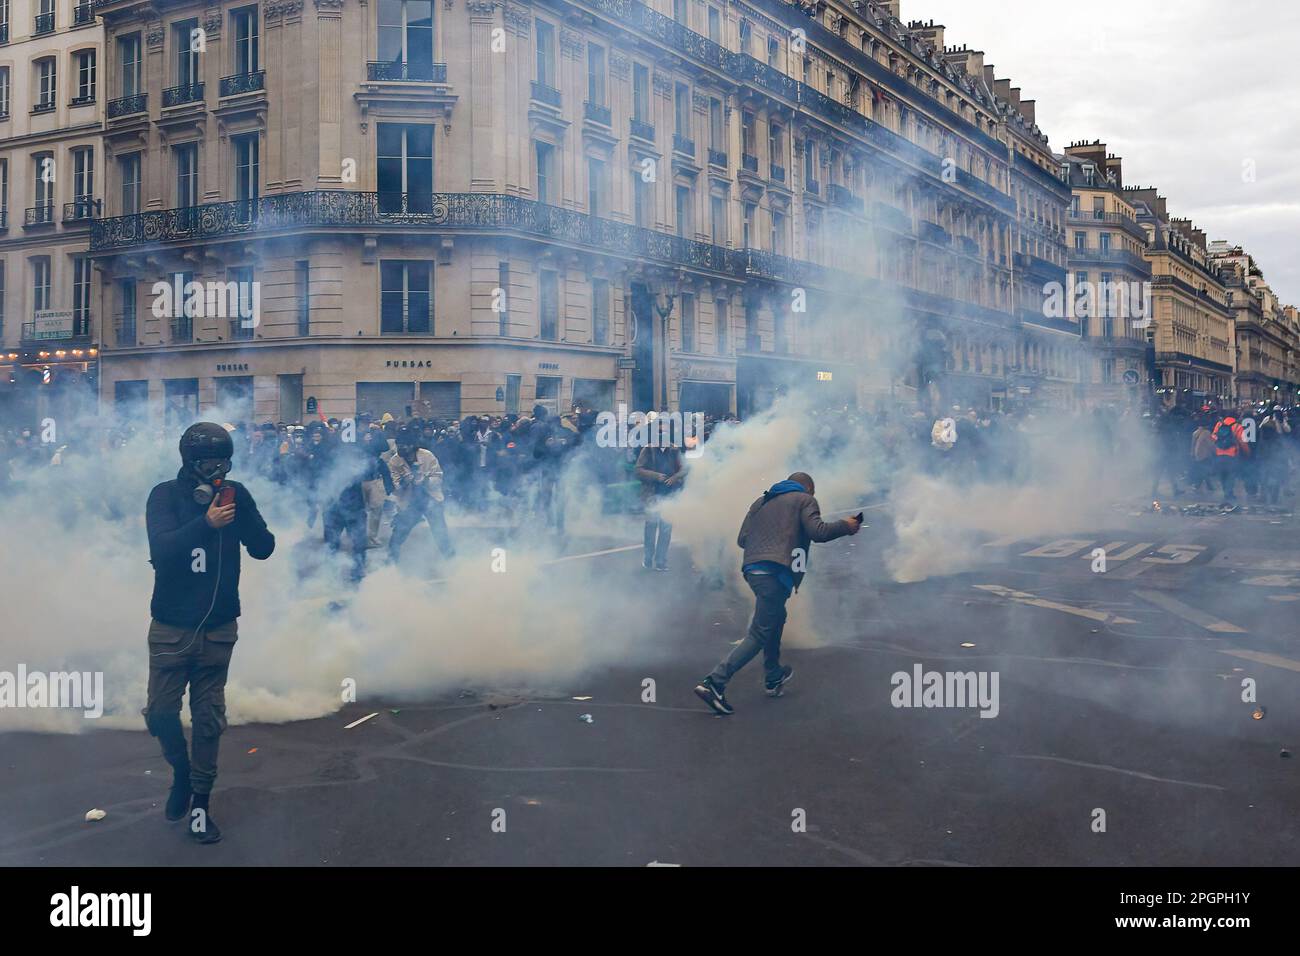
pixel 1226 437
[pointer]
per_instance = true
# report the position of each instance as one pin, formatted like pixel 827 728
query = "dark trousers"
pixel 1225 469
pixel 1166 466
pixel 420 507
pixel 339 520
pixel 658 536
pixel 764 633
pixel 179 656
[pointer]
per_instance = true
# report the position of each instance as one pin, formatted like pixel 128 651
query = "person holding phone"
pixel 776 535
pixel 197 523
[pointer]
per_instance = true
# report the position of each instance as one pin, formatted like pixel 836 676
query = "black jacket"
pixel 177 525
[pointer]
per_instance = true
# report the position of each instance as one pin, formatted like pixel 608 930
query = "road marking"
pixel 1261 658
pixel 1131 773
pixel 1128 572
pixel 1058 549
pixel 1273 581
pixel 1021 597
pixel 1189 613
pixel 361 721
pixel 1003 542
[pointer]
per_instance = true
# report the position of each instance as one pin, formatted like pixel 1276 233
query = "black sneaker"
pixel 776 689
pixel 203 829
pixel 706 692
pixel 178 802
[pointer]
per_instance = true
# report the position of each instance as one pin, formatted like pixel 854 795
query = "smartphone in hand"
pixel 858 517
pixel 225 496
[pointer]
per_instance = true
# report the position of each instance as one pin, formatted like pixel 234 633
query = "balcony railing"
pixel 642 130
pixel 82 13
pixel 124 330
pixel 4 33
pixel 185 93
pixel 812 186
pixel 596 113
pixel 81 209
pixel 544 93
pixel 40 215
pixel 4 219
pixel 44 24
pixel 683 145
pixel 243 83
pixel 842 197
pixel 126 105
pixel 43 106
pixel 777 172
pixel 85 100
pixel 182 328
pixel 398 71
pixel 717 157
pixel 240 329
pixel 935 233
pixel 969 246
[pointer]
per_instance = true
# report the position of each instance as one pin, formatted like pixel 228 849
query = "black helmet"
pixel 205 440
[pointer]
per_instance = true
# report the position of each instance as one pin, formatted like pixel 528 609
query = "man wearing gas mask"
pixel 196 524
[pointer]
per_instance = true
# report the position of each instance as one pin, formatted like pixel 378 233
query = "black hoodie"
pixel 177 525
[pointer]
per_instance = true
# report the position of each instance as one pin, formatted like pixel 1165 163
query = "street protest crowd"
pixel 368 482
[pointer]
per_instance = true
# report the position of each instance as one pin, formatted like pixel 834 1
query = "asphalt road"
pixel 1118 692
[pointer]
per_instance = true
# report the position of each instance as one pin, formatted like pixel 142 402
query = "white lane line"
pixel 361 721
pixel 1130 773
pixel 593 554
pixel 1189 613
pixel 1021 597
pixel 1261 658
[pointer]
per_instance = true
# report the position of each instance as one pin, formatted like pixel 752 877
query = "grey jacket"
pixel 775 528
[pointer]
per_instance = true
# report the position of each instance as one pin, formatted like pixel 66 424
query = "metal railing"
pixel 82 209
pixel 127 105
pixel 185 93
pixel 44 24
pixel 596 113
pixel 82 13
pixel 749 162
pixel 544 93
pixel 42 215
pixel 682 144
pixel 243 83
pixel 400 71
pixel 641 130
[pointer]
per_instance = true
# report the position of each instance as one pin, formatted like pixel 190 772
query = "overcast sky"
pixel 1185 91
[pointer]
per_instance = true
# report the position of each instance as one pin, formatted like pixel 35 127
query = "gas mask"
pixel 209 472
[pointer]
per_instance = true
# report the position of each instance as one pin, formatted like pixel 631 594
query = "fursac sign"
pixel 409 363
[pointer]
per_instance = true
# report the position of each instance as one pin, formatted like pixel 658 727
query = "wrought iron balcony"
pixel 127 105
pixel 4 33
pixel 812 186
pixel 81 209
pixel 717 157
pixel 543 93
pixel 4 219
pixel 124 330
pixel 642 130
pixel 399 71
pixel 182 328
pixel 776 172
pixel 43 106
pixel 969 246
pixel 842 197
pixel 242 83
pixel 596 113
pixel 185 93
pixel 44 24
pixel 749 162
pixel 683 145
pixel 892 217
pixel 86 100
pixel 935 233
pixel 82 13
pixel 40 215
